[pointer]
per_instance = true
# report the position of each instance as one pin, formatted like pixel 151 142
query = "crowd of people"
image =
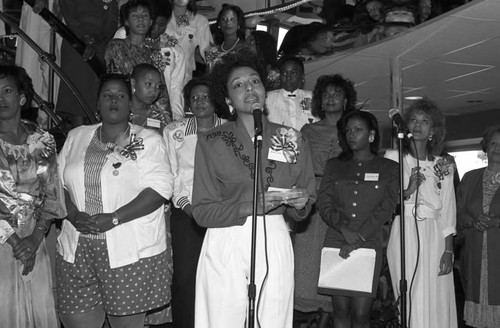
pixel 157 200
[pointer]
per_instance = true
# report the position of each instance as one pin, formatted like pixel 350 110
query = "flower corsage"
pixel 442 168
pixel 130 149
pixel 43 142
pixel 285 141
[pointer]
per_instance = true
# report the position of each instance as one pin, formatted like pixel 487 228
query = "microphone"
pixel 395 115
pixel 257 119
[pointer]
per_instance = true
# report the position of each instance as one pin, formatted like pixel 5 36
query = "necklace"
pixel 114 141
pixel 234 45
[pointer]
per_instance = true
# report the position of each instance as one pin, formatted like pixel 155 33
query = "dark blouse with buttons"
pixel 361 195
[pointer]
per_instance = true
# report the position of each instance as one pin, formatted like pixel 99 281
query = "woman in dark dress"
pixel 357 196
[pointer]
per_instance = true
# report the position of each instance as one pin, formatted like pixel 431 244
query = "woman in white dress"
pixel 430 217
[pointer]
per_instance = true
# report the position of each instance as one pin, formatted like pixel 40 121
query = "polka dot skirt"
pixel 89 282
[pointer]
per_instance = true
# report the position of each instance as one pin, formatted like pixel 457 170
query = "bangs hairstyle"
pixel 337 81
pixel 132 5
pixel 218 36
pixel 430 108
pixel 220 106
pixel 488 134
pixel 115 77
pixel 371 123
pixel 22 81
pixel 230 62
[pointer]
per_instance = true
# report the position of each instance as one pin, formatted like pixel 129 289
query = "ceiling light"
pixel 414 97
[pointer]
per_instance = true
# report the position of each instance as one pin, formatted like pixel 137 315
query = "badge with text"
pixel 152 122
pixel 276 155
pixel 371 176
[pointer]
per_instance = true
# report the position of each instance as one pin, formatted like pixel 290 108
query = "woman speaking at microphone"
pixel 222 202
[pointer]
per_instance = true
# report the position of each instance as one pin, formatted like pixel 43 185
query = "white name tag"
pixel 371 176
pixel 276 156
pixel 152 122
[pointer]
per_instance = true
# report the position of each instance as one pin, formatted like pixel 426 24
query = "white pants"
pixel 224 271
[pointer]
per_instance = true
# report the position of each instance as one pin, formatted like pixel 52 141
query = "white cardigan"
pixel 140 238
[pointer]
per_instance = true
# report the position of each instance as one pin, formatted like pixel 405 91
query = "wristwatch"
pixel 114 219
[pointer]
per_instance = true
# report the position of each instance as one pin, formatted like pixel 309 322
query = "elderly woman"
pixel 478 210
pixel 222 202
pixel 430 215
pixel 229 35
pixel 31 196
pixel 187 236
pixel 112 258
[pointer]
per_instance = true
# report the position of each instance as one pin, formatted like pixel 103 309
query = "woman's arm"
pixel 145 203
pixel 383 212
pixel 327 207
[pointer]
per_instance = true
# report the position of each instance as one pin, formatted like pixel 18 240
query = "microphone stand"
pixel 402 282
pixel 252 289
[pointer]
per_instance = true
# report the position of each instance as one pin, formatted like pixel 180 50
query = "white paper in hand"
pixel 354 273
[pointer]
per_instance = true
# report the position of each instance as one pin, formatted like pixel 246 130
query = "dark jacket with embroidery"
pixel 224 170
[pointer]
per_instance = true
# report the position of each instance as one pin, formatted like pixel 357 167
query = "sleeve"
pixel 179 198
pixel 383 212
pixel 115 58
pixel 53 205
pixel 5 231
pixel 465 218
pixel 327 207
pixel 210 209
pixel 177 83
pixel 154 167
pixel 305 180
pixel 204 36
pixel 448 217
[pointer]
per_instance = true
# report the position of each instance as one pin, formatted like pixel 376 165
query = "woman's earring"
pixel 231 109
pixel 133 91
pixel 430 137
pixel 370 139
pixel 98 116
pixel 131 116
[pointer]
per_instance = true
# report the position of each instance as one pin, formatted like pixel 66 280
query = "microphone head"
pixel 256 106
pixel 393 112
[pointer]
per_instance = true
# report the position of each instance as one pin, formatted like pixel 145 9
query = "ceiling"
pixel 453 59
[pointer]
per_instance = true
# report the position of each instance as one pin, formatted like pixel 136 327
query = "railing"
pixel 45 57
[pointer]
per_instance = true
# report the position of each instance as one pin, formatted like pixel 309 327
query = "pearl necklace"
pixel 234 45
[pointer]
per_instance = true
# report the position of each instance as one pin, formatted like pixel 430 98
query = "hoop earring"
pixel 371 139
pixel 231 109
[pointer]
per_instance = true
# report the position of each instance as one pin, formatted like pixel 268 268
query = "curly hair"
pixel 371 123
pixel 230 62
pixel 487 135
pixel 430 108
pixel 217 33
pixel 337 80
pixel 266 45
pixel 22 81
pixel 221 108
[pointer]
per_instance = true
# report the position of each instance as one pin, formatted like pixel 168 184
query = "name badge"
pixel 276 155
pixel 152 122
pixel 371 176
